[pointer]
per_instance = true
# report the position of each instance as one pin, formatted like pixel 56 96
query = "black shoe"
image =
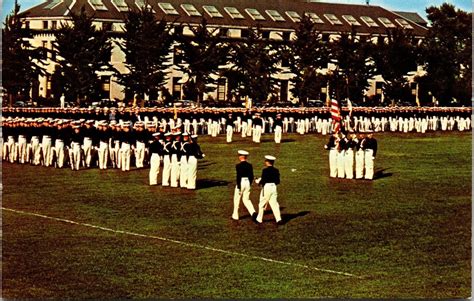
pixel 280 223
pixel 254 217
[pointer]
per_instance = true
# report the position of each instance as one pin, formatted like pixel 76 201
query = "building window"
pixel 275 15
pixel 27 24
pixel 107 26
pixel 325 37
pixel 177 55
pixel 285 62
pixel 233 13
pixel 141 5
pixel 266 34
pixel 191 10
pixel 283 90
pixel 48 86
pixel 44 49
pixel 378 88
pixel 105 87
pixel 254 14
pixel 294 16
pixel 314 18
pixel 54 24
pixel 97 5
pixel 45 24
pixel 176 88
pixel 212 11
pixel 386 22
pixel 167 8
pixel 53 4
pixel 404 23
pixel 244 33
pixel 221 85
pixel 286 35
pixel 121 5
pixel 351 20
pixel 333 19
pixel 369 21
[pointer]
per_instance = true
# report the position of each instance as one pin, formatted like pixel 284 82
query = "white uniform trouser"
pixel 244 129
pixel 340 163
pixel 22 149
pixel 103 154
pixel 183 173
pixel 249 127
pixel 35 150
pixel 192 172
pixel 369 164
pixel 46 148
pixel 174 170
pixel 333 163
pixel 5 147
pixel 359 164
pixel 154 168
pixel 277 134
pixel 257 133
pixel 115 155
pixel 59 150
pixel 125 154
pixel 139 154
pixel 75 156
pixel 214 128
pixel 229 132
pixel 165 180
pixel 87 147
pixel 269 195
pixel 349 164
pixel 244 193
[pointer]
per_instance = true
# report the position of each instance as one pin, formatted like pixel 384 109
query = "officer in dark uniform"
pixel 245 176
pixel 268 195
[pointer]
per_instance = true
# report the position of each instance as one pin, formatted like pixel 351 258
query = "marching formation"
pixel 342 151
pixel 268 194
pixel 87 143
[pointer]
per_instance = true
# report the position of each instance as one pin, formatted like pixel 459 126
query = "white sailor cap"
pixel 82 120
pixel 155 134
pixel 270 158
pixel 184 134
pixel 113 122
pixel 177 133
pixel 243 153
pixel 194 136
pixel 167 135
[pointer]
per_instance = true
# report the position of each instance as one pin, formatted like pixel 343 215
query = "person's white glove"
pixel 203 155
pixel 373 158
pixel 325 147
pixel 257 180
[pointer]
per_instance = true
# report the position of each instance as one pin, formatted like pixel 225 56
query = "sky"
pixel 418 6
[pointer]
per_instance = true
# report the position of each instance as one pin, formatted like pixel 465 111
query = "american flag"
pixel 335 116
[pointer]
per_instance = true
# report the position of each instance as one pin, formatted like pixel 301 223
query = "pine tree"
pixel 147 45
pixel 82 51
pixel 254 61
pixel 393 60
pixel 447 54
pixel 307 53
pixel 202 54
pixel 352 57
pixel 22 64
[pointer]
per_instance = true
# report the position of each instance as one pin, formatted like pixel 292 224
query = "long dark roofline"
pixel 320 8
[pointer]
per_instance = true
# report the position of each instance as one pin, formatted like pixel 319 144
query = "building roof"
pixel 415 17
pixel 274 14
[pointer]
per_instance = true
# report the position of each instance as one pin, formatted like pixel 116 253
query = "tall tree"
pixel 393 59
pixel 22 64
pixel 352 57
pixel 306 54
pixel 254 61
pixel 146 44
pixel 82 52
pixel 202 54
pixel 447 54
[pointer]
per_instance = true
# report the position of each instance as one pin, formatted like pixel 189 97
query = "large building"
pixel 278 18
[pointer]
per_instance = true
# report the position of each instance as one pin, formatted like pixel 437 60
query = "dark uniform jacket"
pixel 244 170
pixel 270 175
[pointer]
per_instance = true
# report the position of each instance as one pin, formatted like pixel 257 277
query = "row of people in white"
pixel 179 154
pixel 343 150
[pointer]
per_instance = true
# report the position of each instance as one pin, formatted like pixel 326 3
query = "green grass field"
pixel 405 235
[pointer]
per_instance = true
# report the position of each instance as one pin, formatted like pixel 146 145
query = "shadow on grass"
pixel 206 183
pixel 286 217
pixel 380 174
pixel 204 165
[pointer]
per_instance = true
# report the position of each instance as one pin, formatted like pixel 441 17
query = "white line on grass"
pixel 183 243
